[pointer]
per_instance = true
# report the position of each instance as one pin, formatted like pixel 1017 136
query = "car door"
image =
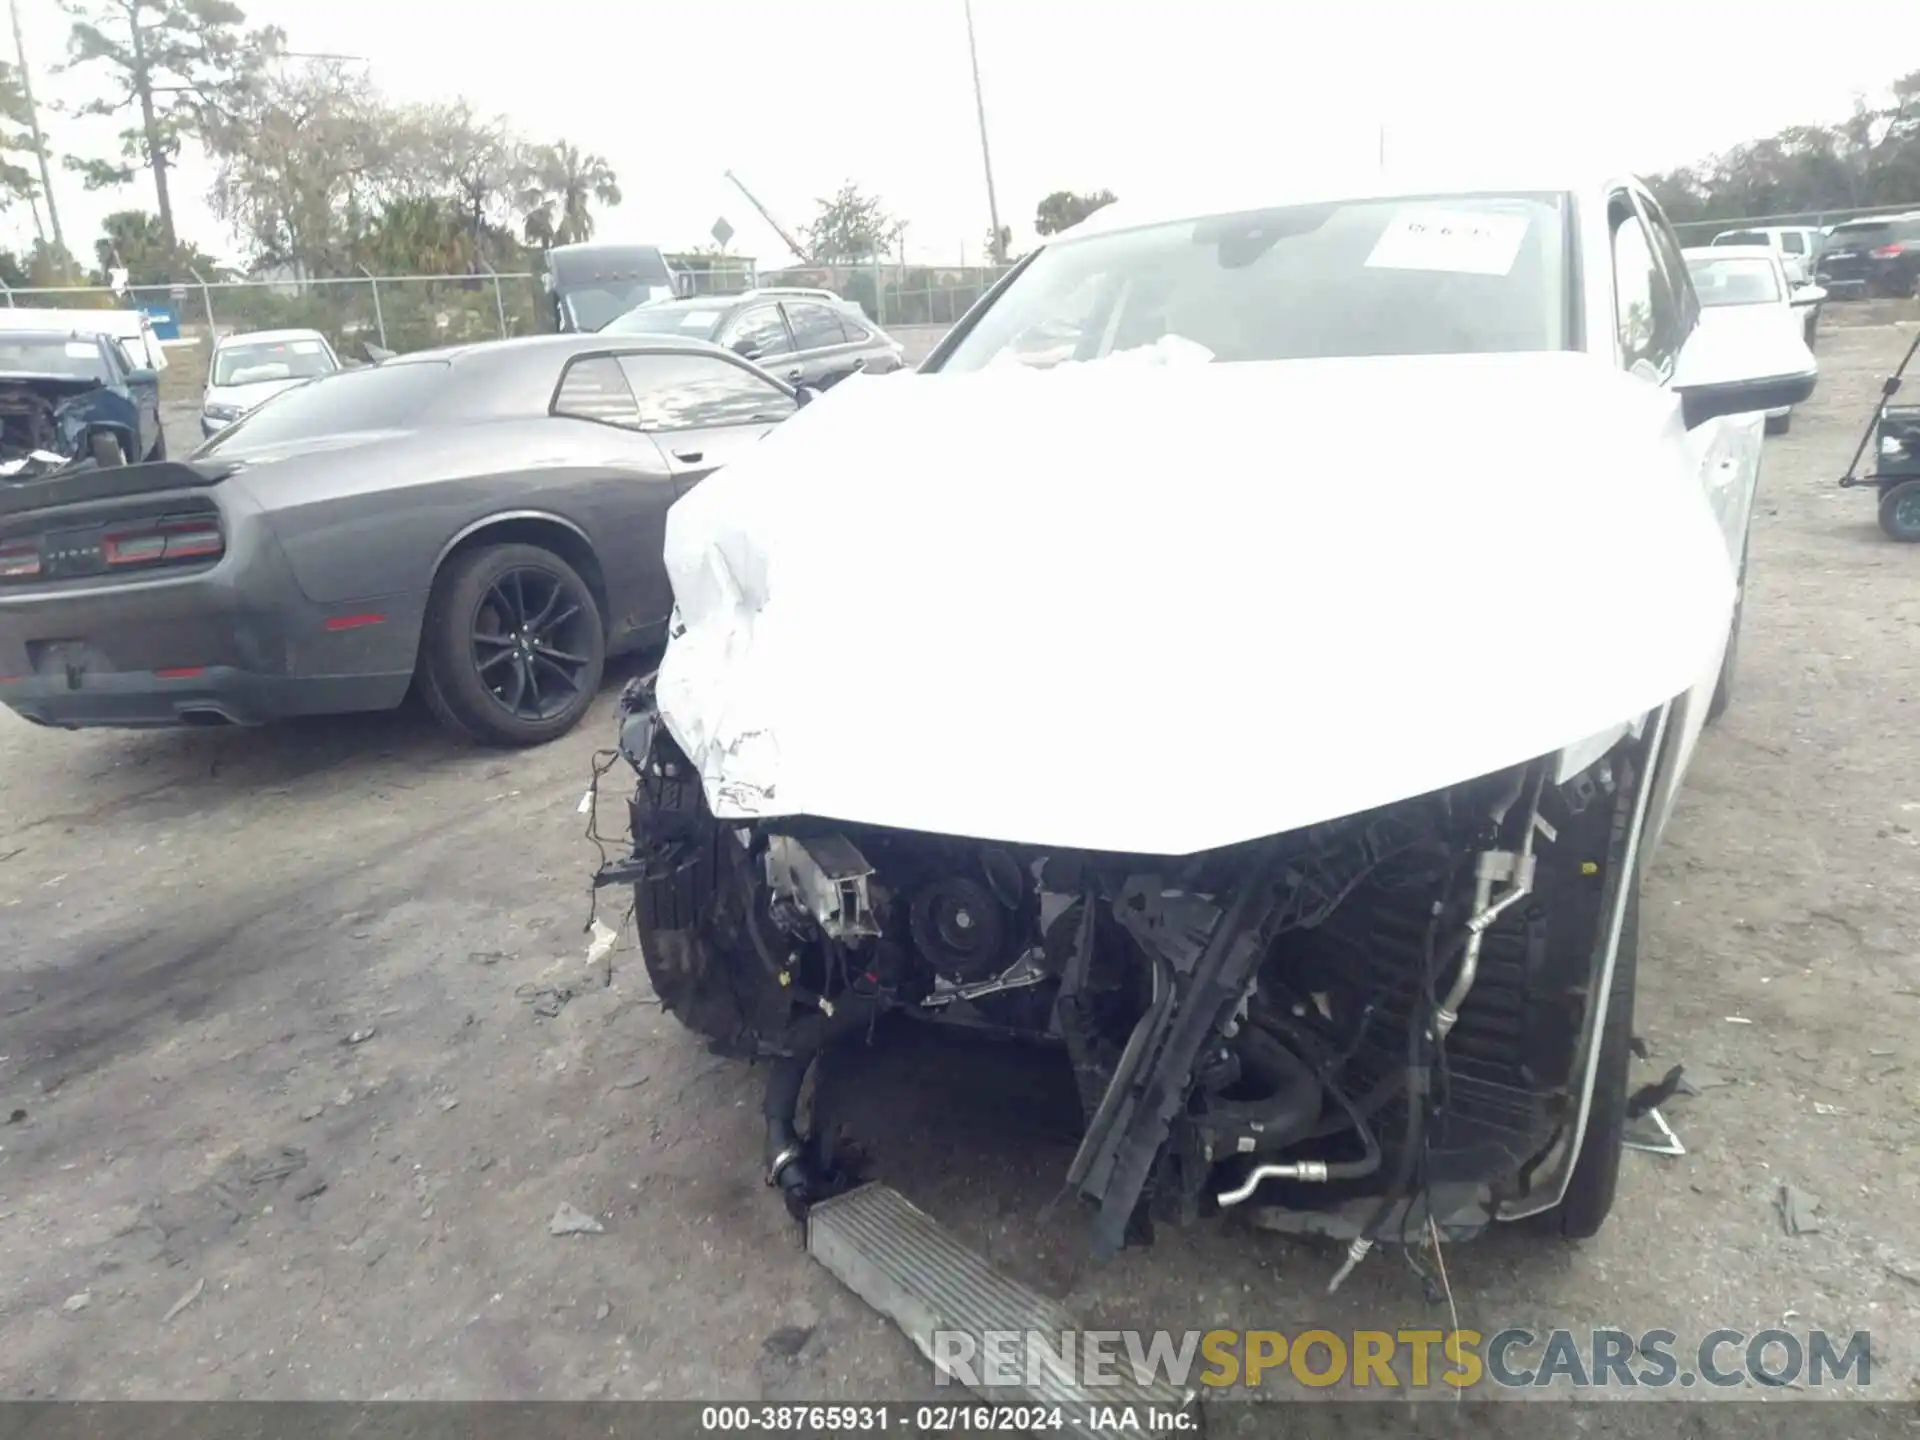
pixel 702 409
pixel 1655 309
pixel 629 525
pixel 879 351
pixel 145 394
pixel 825 351
pixel 759 333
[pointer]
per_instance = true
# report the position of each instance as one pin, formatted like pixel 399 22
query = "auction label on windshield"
pixel 1466 242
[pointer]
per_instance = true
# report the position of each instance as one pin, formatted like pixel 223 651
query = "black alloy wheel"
pixel 513 648
pixel 530 643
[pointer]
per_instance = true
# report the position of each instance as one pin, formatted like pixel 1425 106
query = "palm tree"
pixel 418 237
pixel 561 187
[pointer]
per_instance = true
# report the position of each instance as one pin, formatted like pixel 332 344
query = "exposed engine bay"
pixel 26 420
pixel 1372 1024
pixel 41 430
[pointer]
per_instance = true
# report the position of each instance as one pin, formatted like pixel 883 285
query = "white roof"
pixel 1875 220
pixel 1207 197
pixel 267 337
pixel 90 322
pixel 1729 252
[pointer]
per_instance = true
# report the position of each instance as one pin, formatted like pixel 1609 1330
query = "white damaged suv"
pixel 1257 653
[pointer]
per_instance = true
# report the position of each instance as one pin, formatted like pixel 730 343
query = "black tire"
pixel 1900 511
pixel 1723 686
pixel 1779 424
pixel 159 451
pixel 510 610
pixel 1583 1210
pixel 106 449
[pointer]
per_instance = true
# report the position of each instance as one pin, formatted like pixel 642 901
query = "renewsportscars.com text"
pixel 1511 1359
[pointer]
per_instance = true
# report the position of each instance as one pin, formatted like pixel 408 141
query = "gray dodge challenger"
pixel 483 525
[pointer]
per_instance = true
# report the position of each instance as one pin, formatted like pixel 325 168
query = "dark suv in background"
pixel 1878 256
pixel 806 337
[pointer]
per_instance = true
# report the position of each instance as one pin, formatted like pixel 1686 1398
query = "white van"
pixel 131 328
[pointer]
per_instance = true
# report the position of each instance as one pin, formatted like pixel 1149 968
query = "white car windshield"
pixel 1746 281
pixel 252 362
pixel 1451 274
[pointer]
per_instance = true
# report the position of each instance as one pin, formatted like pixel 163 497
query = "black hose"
pixel 806 1038
pixel 781 1107
pixel 1366 1164
pixel 1281 1116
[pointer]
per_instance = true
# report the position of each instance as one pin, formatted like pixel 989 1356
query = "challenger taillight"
pixel 162 541
pixel 19 559
pixel 1890 252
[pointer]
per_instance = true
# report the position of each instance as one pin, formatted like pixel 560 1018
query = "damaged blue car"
pixel 75 397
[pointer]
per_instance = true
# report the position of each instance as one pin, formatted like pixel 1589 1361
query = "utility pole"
pixel 986 157
pixel 33 118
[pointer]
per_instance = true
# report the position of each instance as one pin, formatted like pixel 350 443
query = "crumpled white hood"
pixel 1165 610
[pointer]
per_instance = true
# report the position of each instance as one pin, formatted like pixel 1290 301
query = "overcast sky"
pixel 1127 94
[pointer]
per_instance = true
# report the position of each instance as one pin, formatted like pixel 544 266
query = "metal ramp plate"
pixel 910 1268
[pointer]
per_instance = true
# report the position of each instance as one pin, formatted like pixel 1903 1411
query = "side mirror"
pixel 746 349
pixel 1808 294
pixel 1727 370
pixel 143 377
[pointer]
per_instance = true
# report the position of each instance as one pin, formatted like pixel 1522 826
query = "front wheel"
pixel 513 647
pixel 1900 511
pixel 1779 424
pixel 106 449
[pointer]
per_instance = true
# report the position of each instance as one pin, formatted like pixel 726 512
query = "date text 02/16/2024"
pixel 961 1419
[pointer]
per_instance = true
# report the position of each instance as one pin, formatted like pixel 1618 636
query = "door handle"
pixel 795 375
pixel 691 457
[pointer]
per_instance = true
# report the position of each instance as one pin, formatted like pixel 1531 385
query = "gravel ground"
pixel 287 1119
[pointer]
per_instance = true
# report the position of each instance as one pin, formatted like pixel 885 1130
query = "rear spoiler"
pixel 113 482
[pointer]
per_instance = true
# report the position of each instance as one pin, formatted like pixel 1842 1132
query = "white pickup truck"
pixel 131 328
pixel 1798 246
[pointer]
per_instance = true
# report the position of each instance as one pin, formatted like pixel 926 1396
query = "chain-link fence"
pixel 400 313
pixel 1700 232
pixel 895 294
pixel 417 312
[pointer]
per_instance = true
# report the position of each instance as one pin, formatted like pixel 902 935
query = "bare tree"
pixel 301 162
